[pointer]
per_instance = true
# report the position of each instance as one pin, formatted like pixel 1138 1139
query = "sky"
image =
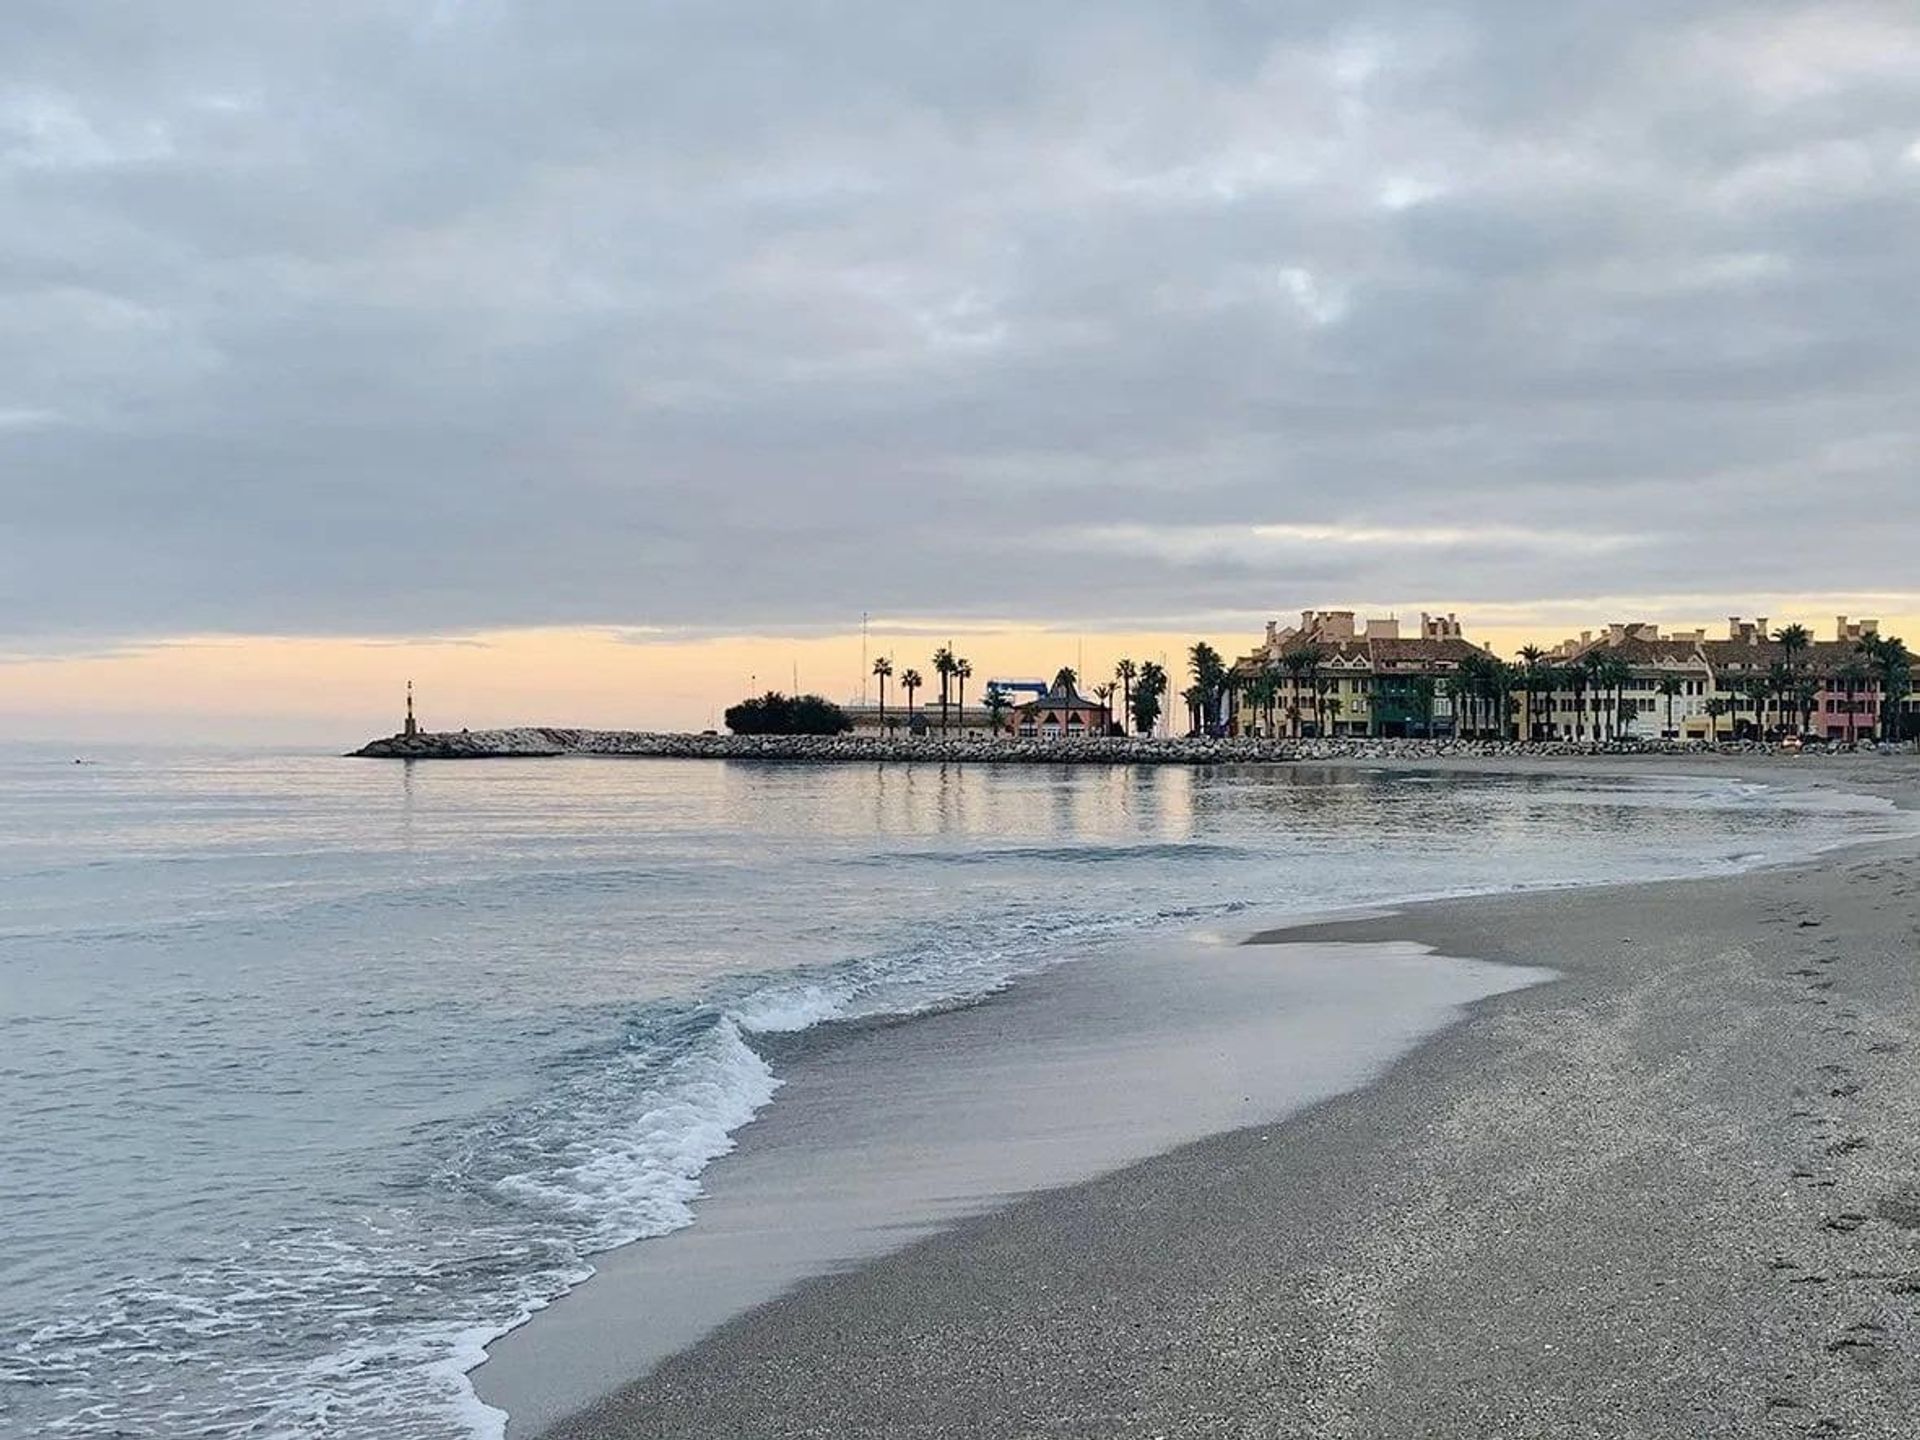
pixel 588 360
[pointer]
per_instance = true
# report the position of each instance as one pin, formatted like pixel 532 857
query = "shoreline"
pixel 1075 1072
pixel 765 1373
pixel 550 742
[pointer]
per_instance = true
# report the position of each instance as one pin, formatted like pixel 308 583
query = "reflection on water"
pixel 315 1071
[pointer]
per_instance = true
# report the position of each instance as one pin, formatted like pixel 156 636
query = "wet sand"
pixel 1674 1193
pixel 887 1132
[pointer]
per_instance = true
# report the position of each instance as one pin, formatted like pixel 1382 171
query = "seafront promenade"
pixel 546 741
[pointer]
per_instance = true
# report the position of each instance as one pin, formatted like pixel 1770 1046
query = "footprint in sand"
pixel 1902 1208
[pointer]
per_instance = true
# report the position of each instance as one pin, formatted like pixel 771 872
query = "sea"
pixel 317 1075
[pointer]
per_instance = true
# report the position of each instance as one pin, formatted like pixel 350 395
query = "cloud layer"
pixel 377 317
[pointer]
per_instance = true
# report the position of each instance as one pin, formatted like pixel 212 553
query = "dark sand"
pixel 1675 1193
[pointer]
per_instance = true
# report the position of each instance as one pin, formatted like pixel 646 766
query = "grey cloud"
pixel 408 319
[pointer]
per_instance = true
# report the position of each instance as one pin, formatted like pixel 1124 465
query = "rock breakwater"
pixel 549 741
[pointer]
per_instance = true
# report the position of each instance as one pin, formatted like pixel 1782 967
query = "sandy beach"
pixel 1674 1193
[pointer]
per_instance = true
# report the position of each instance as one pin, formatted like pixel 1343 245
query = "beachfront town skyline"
pixel 1335 674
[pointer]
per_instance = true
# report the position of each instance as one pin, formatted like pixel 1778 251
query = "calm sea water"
pixel 316 1074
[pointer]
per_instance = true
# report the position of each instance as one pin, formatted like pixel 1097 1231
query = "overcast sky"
pixel 416 318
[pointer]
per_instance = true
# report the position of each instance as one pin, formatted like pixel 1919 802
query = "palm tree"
pixel 1592 683
pixel 1794 641
pixel 1425 689
pixel 1103 692
pixel 1065 678
pixel 1511 680
pixel 1258 693
pixel 1297 663
pixel 1852 674
pixel 1759 688
pixel 883 667
pixel 1616 674
pixel 1715 707
pixel 1152 684
pixel 1487 686
pixel 1311 658
pixel 997 703
pixel 1784 681
pixel 1126 672
pixel 1196 701
pixel 1577 678
pixel 1893 666
pixel 910 682
pixel 963 672
pixel 1210 679
pixel 1265 692
pixel 1530 657
pixel 1669 686
pixel 943 667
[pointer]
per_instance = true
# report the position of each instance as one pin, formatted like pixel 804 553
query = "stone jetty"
pixel 538 741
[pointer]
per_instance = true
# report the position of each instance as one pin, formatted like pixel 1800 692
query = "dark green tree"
pixel 777 714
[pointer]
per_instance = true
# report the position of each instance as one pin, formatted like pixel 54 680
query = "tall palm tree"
pixel 1151 686
pixel 1311 658
pixel 1126 672
pixel 1530 657
pixel 1296 663
pixel 882 668
pixel 1669 686
pixel 1593 666
pixel 1851 675
pixel 1196 701
pixel 963 672
pixel 943 667
pixel 1617 675
pixel 1715 707
pixel 1893 667
pixel 1103 692
pixel 1210 679
pixel 1785 681
pixel 1759 689
pixel 910 682
pixel 1263 693
pixel 997 703
pixel 1794 641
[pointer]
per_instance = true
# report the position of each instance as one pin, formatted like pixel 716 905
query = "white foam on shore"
pixel 641 1178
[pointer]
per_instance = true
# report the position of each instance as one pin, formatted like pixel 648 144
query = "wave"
pixel 499 1214
pixel 1096 854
